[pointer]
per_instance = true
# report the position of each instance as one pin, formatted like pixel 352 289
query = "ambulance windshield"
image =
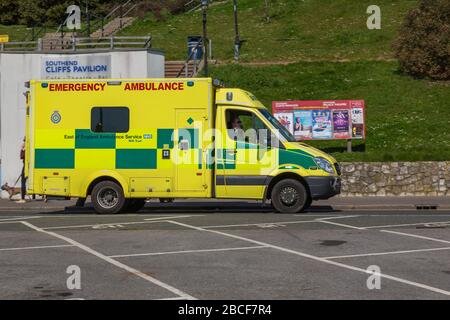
pixel 283 131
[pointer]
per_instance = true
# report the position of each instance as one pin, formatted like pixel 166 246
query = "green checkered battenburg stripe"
pixel 125 158
pixel 147 158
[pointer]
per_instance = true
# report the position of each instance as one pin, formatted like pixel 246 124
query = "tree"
pixel 47 12
pixel 8 12
pixel 423 44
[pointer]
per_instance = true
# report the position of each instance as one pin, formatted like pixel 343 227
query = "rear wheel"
pixel 135 205
pixel 108 198
pixel 290 196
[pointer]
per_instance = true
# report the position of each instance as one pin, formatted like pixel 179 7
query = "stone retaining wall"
pixel 426 178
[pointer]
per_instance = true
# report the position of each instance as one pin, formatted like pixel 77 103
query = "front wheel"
pixel 108 198
pixel 289 196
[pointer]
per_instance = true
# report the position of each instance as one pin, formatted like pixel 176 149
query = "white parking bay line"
pixel 386 253
pixel 160 219
pixel 409 224
pixel 18 218
pixel 337 217
pixel 308 256
pixel 415 236
pixel 112 261
pixel 279 223
pixel 340 224
pixel 40 247
pixel 185 251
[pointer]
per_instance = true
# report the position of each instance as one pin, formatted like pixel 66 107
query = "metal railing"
pixel 193 5
pixel 192 59
pixel 80 43
pixel 19 46
pixel 121 11
pixel 111 43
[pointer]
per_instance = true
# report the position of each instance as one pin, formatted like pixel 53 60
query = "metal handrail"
pixel 132 7
pixel 74 43
pixel 117 8
pixel 189 59
pixel 100 24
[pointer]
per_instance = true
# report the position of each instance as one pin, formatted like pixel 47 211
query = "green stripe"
pixel 190 134
pixel 165 136
pixel 294 156
pixel 200 158
pixel 86 139
pixel 54 159
pixel 226 160
pixel 136 159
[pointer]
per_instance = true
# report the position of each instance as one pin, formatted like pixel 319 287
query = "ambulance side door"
pixel 189 156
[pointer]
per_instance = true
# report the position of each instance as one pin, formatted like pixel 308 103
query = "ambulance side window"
pixel 245 126
pixel 110 119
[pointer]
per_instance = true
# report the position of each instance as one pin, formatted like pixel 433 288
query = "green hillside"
pixel 309 29
pixel 16 33
pixel 407 119
pixel 334 56
pixel 320 49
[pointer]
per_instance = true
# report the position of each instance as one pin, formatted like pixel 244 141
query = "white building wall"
pixel 17 68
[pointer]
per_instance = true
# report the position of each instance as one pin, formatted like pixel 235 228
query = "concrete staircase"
pixel 53 41
pixel 172 68
pixel 113 27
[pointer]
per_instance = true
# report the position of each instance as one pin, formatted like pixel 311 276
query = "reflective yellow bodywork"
pixel 176 145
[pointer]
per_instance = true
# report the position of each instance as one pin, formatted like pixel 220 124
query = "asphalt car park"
pixel 217 253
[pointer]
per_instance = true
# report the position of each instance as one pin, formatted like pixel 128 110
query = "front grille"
pixel 338 168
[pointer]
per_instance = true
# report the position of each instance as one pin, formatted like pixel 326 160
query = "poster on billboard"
pixel 321 124
pixel 76 67
pixel 357 123
pixel 341 124
pixel 303 124
pixel 286 119
pixel 322 119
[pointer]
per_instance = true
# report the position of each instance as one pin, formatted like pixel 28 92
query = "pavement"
pixel 234 250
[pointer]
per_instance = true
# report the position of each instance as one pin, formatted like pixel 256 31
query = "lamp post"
pixel 237 40
pixel 205 37
pixel 88 20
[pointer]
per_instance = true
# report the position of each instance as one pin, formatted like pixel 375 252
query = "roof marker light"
pixel 114 83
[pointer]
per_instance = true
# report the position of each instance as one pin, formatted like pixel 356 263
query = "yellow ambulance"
pixel 122 141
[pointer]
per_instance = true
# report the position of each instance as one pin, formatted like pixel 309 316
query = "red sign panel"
pixel 322 119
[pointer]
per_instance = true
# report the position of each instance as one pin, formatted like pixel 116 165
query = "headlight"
pixel 324 164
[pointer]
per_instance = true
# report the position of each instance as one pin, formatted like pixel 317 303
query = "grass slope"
pixel 309 29
pixel 407 119
pixel 16 33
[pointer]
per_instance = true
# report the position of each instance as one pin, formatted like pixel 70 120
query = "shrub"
pixel 423 43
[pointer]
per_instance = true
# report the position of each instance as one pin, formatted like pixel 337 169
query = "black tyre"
pixel 107 197
pixel 135 205
pixel 289 196
pixel 308 204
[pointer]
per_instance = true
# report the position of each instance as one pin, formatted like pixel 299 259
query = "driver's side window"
pixel 245 126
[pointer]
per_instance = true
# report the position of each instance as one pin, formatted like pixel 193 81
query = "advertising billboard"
pixel 322 119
